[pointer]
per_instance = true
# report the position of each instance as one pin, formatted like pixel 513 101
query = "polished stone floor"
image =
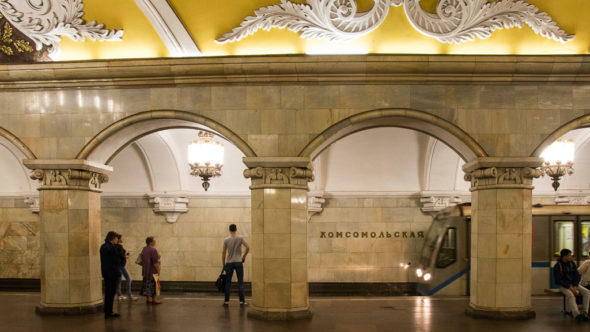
pixel 190 312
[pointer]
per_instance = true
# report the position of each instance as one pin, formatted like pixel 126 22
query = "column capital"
pixel 279 172
pixel 502 172
pixel 76 174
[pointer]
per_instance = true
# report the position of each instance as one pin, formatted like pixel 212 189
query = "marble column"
pixel 69 204
pixel 501 236
pixel 279 237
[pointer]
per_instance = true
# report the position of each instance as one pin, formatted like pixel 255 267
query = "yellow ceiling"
pixel 207 20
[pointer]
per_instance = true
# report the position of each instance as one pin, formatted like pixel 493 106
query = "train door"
pixel 571 232
pixel 541 254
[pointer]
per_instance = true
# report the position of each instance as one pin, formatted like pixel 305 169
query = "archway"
pixel 436 148
pixel 432 125
pixel 106 144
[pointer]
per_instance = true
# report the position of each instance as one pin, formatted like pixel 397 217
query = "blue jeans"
pixel 128 278
pixel 229 271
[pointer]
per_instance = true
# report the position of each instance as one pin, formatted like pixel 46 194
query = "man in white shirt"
pixel 232 250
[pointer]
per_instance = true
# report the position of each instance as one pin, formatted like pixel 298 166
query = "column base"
pixel 279 315
pixel 44 310
pixel 500 315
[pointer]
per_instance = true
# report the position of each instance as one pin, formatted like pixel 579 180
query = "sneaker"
pixel 133 298
pixel 122 298
pixel 243 303
pixel 580 317
pixel 226 303
pixel 112 315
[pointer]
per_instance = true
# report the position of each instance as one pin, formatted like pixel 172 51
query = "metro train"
pixel 443 268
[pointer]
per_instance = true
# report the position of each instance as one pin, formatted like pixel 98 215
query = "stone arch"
pixel 10 138
pixel 103 147
pixel 430 124
pixel 583 121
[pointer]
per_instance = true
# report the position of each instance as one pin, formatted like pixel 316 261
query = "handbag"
pixel 158 287
pixel 220 282
pixel 139 260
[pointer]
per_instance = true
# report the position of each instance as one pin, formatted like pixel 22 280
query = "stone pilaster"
pixel 501 236
pixel 279 237
pixel 69 204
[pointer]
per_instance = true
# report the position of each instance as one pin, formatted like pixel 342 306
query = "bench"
pixel 557 292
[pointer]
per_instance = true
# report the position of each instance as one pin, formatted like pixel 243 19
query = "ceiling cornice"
pixel 289 69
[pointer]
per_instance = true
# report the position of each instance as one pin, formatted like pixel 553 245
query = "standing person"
pixel 150 266
pixel 124 255
pixel 110 266
pixel 232 249
pixel 566 275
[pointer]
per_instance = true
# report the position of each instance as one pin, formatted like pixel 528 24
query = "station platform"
pixel 196 312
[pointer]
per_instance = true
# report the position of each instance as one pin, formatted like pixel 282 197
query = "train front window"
pixel 564 236
pixel 447 254
pixel 430 242
pixel 584 243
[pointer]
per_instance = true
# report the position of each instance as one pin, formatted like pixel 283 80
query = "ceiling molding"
pixel 169 27
pixel 288 69
pixel 146 162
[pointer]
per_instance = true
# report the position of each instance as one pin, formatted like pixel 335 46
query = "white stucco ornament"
pixel 45 21
pixel 455 21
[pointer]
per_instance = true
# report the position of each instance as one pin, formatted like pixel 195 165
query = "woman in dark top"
pixel 124 255
pixel 150 266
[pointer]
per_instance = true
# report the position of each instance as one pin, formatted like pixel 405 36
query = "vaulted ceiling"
pixel 161 28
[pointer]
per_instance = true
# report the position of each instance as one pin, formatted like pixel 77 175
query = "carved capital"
pixel 72 179
pixel 502 177
pixel 279 177
pixel 68 174
pixel 278 172
pixel 170 206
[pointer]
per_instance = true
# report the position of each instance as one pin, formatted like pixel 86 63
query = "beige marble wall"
pixel 191 247
pixel 279 120
pixel 365 259
pixel 19 239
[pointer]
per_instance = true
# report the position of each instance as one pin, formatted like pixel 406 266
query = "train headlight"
pixel 419 273
pixel 427 276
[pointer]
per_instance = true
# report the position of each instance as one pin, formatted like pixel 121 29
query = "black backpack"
pixel 220 282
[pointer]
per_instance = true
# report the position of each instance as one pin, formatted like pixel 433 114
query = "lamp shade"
pixel 559 152
pixel 205 152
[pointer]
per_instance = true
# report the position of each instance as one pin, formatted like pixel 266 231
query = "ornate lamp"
pixel 205 157
pixel 559 159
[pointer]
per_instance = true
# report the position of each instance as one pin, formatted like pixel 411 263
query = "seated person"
pixel 566 275
pixel 584 270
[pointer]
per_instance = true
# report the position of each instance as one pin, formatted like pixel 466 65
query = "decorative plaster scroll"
pixel 435 203
pixel 279 177
pixel 169 206
pixel 315 202
pixel 167 24
pixel 33 203
pixel 455 21
pixel 44 21
pixel 579 199
pixel 69 179
pixel 499 177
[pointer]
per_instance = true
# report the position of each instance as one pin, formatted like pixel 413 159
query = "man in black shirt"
pixel 110 265
pixel 566 275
